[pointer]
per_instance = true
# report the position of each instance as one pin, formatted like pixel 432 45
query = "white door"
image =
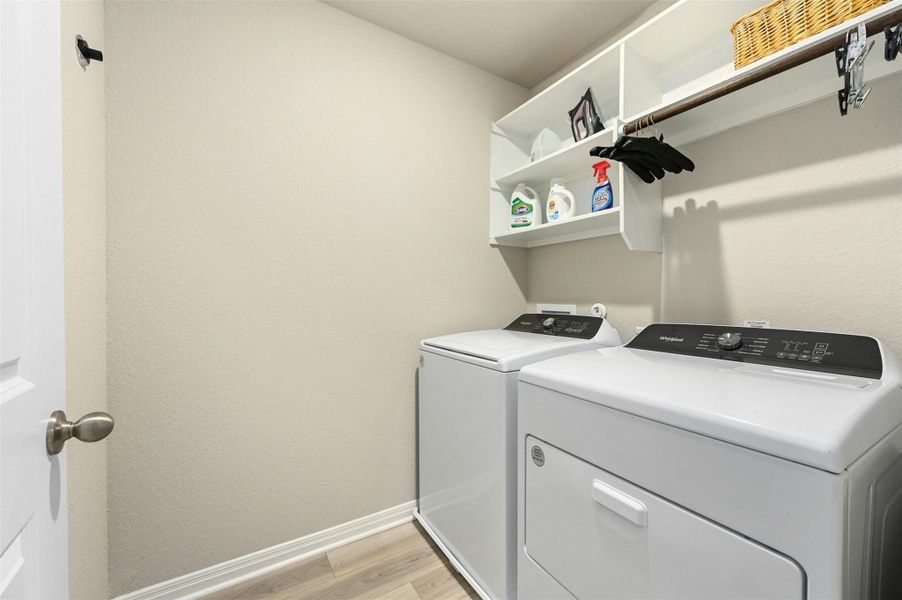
pixel 33 532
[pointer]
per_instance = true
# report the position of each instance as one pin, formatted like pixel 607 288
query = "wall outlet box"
pixel 556 309
pixel 757 323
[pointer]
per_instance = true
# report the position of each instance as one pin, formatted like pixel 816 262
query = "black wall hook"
pixel 85 53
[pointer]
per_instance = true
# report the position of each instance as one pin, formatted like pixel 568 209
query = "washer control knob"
pixel 729 341
pixel 548 323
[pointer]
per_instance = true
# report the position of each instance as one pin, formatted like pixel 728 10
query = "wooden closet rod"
pixel 825 46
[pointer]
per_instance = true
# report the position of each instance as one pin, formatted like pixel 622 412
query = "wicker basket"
pixel 782 23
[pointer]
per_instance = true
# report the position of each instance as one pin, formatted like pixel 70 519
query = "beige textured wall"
pixel 796 219
pixel 296 198
pixel 598 270
pixel 85 263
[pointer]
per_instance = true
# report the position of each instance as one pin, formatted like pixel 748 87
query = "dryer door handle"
pixel 626 506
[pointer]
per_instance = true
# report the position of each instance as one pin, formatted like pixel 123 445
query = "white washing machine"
pixel 700 461
pixel 467 452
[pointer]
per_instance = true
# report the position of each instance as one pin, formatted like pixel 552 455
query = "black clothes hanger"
pixel 619 155
pixel 647 157
pixel 638 158
pixel 643 173
pixel 677 156
pixel 656 147
pixel 646 170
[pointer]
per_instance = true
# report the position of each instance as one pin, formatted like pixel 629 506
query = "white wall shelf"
pixel 605 222
pixel 686 49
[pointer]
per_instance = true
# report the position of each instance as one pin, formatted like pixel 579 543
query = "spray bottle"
pixel 603 196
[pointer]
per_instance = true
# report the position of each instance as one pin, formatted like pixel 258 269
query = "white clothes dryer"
pixel 467 425
pixel 700 461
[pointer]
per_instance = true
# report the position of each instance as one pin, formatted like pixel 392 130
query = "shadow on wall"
pixel 793 140
pixel 694 282
pixel 789 218
pixel 816 199
pixel 695 262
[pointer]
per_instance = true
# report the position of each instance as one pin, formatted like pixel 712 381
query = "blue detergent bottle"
pixel 603 196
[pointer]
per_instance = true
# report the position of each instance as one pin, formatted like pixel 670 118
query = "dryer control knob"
pixel 548 323
pixel 729 341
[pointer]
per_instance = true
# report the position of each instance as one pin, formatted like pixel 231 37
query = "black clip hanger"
pixel 893 43
pixel 850 59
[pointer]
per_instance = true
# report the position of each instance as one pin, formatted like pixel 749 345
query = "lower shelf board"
pixel 597 224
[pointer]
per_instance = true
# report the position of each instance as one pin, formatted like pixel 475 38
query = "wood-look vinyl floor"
pixel 398 564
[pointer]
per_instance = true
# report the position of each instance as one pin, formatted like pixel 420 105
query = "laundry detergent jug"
pixel 524 201
pixel 561 203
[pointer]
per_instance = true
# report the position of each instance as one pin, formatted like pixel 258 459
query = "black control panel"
pixel 574 326
pixel 810 350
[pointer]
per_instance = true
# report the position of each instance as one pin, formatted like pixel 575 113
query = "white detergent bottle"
pixel 561 203
pixel 524 201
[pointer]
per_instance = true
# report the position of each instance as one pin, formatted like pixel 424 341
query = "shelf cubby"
pixel 549 108
pixel 681 51
pixel 563 163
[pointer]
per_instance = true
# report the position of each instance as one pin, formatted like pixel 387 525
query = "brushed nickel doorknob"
pixel 92 427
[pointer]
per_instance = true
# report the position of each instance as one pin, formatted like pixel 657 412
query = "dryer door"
pixel 601 537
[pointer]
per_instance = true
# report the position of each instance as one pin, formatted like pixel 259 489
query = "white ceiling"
pixel 524 41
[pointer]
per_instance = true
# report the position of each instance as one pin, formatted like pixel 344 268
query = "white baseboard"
pixel 228 573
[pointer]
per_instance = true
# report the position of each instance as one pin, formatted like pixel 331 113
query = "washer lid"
pixel 504 350
pixel 529 338
pixel 825 420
